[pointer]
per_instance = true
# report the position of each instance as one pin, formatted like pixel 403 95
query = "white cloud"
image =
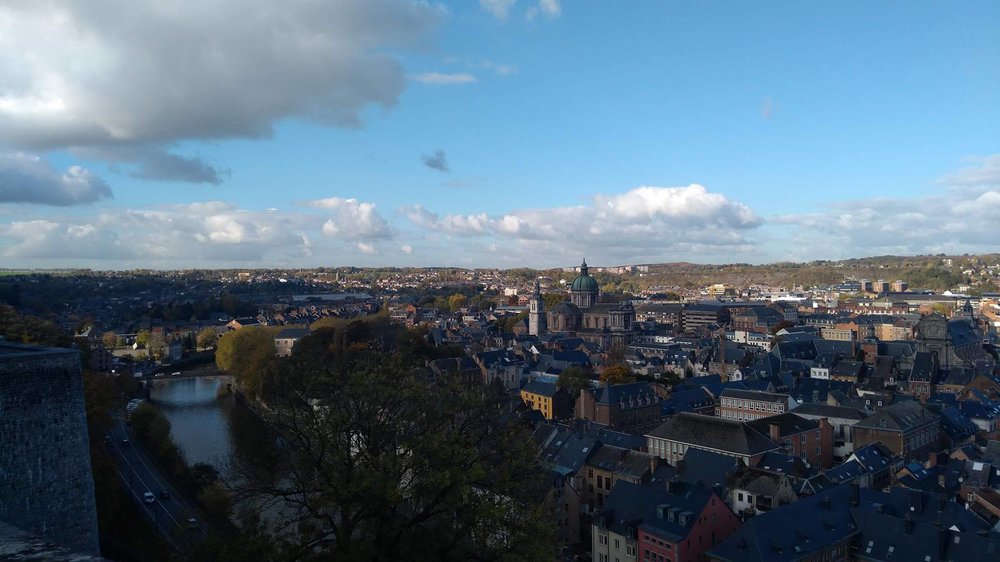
pixel 548 8
pixel 25 178
pixel 985 171
pixel 352 219
pixel 646 221
pixel 148 74
pixel 443 79
pixel 497 8
pixel 406 249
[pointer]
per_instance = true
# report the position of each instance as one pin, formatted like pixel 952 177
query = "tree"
pixel 142 338
pixel 573 380
pixel 109 339
pixel 207 338
pixel 619 373
pixel 552 299
pixel 384 462
pixel 247 353
pixel 457 302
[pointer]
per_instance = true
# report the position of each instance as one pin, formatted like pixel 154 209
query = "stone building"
pixel 609 324
pixel 632 407
pixel 46 484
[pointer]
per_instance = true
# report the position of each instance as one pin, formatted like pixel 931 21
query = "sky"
pixel 494 133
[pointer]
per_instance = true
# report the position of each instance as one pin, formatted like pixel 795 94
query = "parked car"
pixel 148 497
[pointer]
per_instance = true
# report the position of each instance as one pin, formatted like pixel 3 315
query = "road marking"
pixel 153 475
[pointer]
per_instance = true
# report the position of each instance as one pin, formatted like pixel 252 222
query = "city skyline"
pixel 379 133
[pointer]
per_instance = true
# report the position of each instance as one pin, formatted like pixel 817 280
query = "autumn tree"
pixel 457 302
pixel 207 338
pixel 246 354
pixel 619 373
pixel 109 339
pixel 552 299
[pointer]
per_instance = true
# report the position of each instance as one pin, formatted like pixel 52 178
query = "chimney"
pixel 775 431
pixel 931 460
pixel 908 524
pixel 654 461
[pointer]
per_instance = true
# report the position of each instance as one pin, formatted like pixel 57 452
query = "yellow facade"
pixel 538 402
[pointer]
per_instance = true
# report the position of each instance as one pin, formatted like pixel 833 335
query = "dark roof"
pixel 794 531
pixel 709 432
pixel 755 395
pixel 621 461
pixel 616 393
pixel 708 467
pixel 884 537
pixel 652 506
pixel 783 463
pixel 540 388
pixel 901 416
pixel 293 333
pixel 788 424
pixel 827 411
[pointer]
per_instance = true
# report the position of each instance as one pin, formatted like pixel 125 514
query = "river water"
pixel 200 419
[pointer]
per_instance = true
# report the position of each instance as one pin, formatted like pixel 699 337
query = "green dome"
pixel 584 282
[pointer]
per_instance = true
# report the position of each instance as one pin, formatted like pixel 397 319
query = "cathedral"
pixel 608 324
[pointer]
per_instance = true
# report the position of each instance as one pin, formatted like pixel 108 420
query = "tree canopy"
pixel 378 460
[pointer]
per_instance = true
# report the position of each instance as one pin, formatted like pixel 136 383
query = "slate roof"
pixel 788 424
pixel 924 367
pixel 615 393
pixel 709 467
pixel 641 506
pixel 293 333
pixel 884 537
pixel 755 395
pixel 875 457
pixel 783 463
pixel 687 401
pixel 621 461
pixel 902 417
pixel 827 411
pixel 792 532
pixel 714 433
pixel 846 472
pixel 540 388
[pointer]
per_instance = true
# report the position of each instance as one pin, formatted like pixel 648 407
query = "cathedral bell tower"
pixel 536 312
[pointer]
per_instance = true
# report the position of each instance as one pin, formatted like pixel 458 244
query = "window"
pixel 600 482
pixel 630 550
pixel 602 539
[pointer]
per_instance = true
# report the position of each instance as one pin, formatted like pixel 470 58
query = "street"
pixel 169 515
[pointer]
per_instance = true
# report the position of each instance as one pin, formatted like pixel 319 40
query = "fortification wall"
pixel 46 484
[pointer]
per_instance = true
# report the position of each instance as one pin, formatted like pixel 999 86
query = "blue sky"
pixel 494 133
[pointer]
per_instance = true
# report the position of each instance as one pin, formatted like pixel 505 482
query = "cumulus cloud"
pixel 352 219
pixel 497 8
pixel 443 79
pixel 437 161
pixel 646 221
pixel 984 171
pixel 25 178
pixel 406 249
pixel 125 73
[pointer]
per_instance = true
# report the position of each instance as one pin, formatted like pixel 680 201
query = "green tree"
pixel 142 338
pixel 573 380
pixel 385 463
pixel 207 338
pixel 246 354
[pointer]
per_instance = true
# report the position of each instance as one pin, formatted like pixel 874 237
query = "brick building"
pixel 746 405
pixel 905 428
pixel 631 407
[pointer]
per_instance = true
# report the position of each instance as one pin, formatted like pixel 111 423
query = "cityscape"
pixel 503 280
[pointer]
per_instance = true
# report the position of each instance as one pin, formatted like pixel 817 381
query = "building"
pixel 536 312
pixel 810 440
pixel 905 428
pixel 286 339
pixel 631 407
pixel 660 521
pixel 609 324
pixel 607 466
pixel 746 405
pixel 547 398
pixel 46 483
pixel 671 439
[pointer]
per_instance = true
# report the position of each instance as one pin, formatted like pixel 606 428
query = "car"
pixel 175 374
pixel 107 437
pixel 192 523
pixel 148 497
pixel 125 443
pixel 164 495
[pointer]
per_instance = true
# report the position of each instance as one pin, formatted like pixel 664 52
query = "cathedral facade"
pixel 609 324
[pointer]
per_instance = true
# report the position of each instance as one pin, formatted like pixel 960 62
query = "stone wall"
pixel 46 484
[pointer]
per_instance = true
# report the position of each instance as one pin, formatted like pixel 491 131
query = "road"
pixel 169 515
